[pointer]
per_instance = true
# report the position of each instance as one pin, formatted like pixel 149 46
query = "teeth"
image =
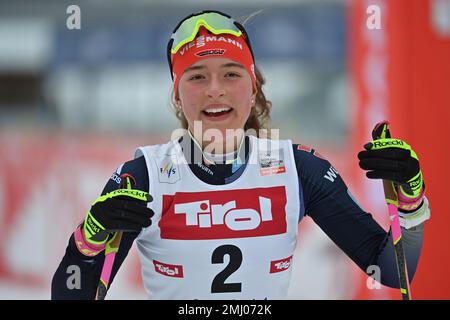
pixel 217 110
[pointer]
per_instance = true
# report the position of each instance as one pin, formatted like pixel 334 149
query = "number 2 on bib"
pixel 218 285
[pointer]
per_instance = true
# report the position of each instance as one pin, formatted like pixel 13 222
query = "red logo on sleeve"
pixel 310 150
pixel 224 214
pixel 280 265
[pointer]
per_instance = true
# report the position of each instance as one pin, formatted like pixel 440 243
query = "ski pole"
pixel 381 131
pixel 112 247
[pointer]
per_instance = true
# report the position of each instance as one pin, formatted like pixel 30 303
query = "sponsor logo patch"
pixel 224 214
pixel 170 270
pixel 271 163
pixel 213 52
pixel 280 265
pixel 168 171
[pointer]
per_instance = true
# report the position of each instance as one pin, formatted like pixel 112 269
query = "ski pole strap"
pixel 83 246
pixel 406 203
pixel 413 219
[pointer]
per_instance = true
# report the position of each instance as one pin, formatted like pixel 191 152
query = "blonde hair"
pixel 259 116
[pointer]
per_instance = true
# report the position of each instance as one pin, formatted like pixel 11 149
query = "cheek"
pixel 244 98
pixel 187 93
pixel 190 98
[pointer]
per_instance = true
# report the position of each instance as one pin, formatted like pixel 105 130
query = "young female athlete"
pixel 215 212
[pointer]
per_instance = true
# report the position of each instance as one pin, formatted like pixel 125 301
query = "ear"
pixel 253 99
pixel 177 101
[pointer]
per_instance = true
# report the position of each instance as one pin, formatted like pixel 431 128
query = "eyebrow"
pixel 232 64
pixel 225 65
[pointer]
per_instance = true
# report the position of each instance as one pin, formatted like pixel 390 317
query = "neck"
pixel 228 144
pixel 219 151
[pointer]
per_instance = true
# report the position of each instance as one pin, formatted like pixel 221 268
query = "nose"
pixel 215 88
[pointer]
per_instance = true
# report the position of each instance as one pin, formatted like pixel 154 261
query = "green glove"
pixel 119 210
pixel 393 160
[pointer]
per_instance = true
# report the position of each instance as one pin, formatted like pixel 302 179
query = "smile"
pixel 217 112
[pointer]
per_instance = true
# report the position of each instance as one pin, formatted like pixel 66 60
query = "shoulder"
pixel 135 166
pixel 170 147
pixel 136 169
pixel 314 167
pixel 309 158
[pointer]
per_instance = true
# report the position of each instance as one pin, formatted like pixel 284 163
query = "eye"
pixel 196 77
pixel 232 74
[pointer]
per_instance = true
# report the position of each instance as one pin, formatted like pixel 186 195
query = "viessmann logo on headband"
pixel 202 40
pixel 224 214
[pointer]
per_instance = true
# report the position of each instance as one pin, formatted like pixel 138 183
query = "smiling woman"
pixel 216 80
pixel 259 117
pixel 217 93
pixel 215 84
pixel 218 218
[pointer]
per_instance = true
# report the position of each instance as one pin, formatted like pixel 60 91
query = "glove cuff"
pixel 407 203
pixel 86 248
pixel 413 219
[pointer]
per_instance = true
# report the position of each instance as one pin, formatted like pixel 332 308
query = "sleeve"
pixel 89 268
pixel 334 209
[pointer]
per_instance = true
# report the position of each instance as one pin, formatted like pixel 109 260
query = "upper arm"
pixel 137 168
pixel 330 204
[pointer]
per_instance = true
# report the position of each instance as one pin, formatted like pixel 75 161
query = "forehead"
pixel 211 63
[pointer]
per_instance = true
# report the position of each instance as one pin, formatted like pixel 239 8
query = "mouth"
pixel 215 112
